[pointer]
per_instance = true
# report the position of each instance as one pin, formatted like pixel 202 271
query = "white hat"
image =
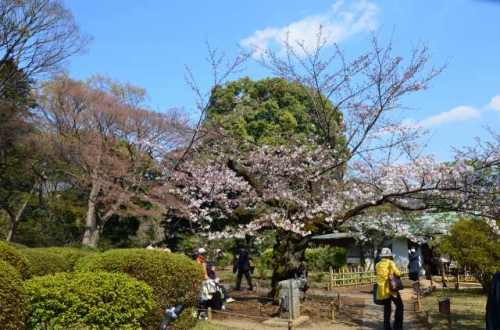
pixel 201 250
pixel 412 250
pixel 386 252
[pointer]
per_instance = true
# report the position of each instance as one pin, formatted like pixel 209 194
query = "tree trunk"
pixel 91 234
pixel 14 219
pixel 288 255
pixel 12 230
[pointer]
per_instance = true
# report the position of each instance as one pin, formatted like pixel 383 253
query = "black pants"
pixel 247 276
pixel 398 317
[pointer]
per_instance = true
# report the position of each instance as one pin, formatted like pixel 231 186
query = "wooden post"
pixel 457 279
pixel 330 281
pixel 332 311
pixel 209 313
pixel 339 303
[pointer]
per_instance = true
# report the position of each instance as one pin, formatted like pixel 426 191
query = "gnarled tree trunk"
pixel 288 255
pixel 92 231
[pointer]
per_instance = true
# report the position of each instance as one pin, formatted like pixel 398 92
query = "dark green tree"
pixel 473 243
pixel 18 161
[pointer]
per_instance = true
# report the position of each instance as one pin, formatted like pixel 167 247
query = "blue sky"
pixel 148 42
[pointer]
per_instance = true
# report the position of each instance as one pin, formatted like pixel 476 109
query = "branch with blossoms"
pixel 280 187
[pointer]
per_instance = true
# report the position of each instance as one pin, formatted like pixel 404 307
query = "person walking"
pixel 384 269
pixel 242 267
pixel 493 304
pixel 414 265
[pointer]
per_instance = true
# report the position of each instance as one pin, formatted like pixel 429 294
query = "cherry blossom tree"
pixel 305 187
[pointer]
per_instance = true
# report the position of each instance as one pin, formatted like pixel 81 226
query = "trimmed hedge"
pixel 88 300
pixel 42 262
pixel 15 258
pixel 12 298
pixel 175 279
pixel 71 254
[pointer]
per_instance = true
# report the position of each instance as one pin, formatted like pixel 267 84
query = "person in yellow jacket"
pixel 383 269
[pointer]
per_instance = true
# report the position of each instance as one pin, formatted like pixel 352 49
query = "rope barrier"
pixel 234 314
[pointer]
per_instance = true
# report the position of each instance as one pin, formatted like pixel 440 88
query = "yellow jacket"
pixel 382 270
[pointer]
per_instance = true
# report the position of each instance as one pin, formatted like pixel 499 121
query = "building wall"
pixel 400 251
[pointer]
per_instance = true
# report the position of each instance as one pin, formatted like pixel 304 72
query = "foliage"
pixel 186 321
pixel 474 244
pixel 96 300
pixel 267 111
pixel 55 219
pixel 70 254
pixel 12 298
pixel 15 258
pixel 175 279
pixel 42 262
pixel 322 258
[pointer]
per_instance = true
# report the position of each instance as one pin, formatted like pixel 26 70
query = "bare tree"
pixel 109 148
pixel 37 35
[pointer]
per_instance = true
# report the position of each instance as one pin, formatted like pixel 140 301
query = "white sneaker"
pixel 230 300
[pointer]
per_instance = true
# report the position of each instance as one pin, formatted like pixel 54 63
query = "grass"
pixel 204 325
pixel 467 309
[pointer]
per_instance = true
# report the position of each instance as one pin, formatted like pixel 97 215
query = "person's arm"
pixel 395 269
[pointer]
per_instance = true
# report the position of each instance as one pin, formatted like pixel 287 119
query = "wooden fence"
pixel 353 276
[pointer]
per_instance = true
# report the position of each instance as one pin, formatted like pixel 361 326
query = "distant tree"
pixel 473 243
pixel 108 147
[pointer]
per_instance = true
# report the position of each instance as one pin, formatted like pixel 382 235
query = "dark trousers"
pixel 247 276
pixel 398 317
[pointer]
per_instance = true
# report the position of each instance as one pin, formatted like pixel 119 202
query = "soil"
pixel 356 312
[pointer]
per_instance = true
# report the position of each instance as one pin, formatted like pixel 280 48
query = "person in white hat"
pixel 384 269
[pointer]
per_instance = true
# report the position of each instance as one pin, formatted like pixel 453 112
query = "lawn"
pixel 467 309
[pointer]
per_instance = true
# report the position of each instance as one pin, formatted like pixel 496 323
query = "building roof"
pixel 333 236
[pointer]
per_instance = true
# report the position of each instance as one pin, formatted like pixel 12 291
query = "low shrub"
pixel 42 262
pixel 12 298
pixel 71 254
pixel 18 246
pixel 14 257
pixel 186 320
pixel 88 300
pixel 175 279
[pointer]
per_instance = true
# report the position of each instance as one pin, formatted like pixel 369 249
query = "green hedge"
pixel 14 257
pixel 42 262
pixel 88 300
pixel 12 298
pixel 175 279
pixel 71 254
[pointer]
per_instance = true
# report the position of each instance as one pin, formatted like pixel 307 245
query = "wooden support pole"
pixel 332 311
pixel 418 306
pixel 209 313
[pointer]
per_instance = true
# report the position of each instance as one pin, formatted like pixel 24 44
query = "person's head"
pixel 202 251
pixel 412 250
pixel 386 253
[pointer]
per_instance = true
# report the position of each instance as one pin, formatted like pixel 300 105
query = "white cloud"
pixel 460 113
pixel 495 103
pixel 338 23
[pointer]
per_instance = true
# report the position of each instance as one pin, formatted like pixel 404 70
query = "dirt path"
pixel 358 312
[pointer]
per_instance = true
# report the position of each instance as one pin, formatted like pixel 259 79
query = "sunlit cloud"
pixel 338 23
